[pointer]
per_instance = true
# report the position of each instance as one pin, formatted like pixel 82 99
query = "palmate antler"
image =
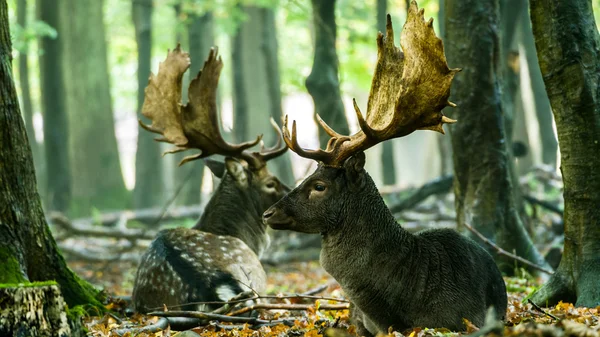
pixel 196 124
pixel 408 91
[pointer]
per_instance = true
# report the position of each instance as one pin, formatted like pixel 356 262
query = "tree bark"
pixel 543 109
pixel 444 146
pixel 96 171
pixel 56 131
pixel 240 105
pixel 200 39
pixel 483 186
pixel 282 166
pixel 27 250
pixel 148 190
pixel 27 106
pixel 568 46
pixel 323 82
pixel 387 148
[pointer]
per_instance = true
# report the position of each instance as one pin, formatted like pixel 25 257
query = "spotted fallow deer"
pixel 394 278
pixel 219 257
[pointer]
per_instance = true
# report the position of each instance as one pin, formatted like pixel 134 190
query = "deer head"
pixel 196 125
pixel 408 91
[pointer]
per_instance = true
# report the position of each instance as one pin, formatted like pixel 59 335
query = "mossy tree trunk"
pixel 96 170
pixel 27 249
pixel 568 47
pixel 387 148
pixel 543 110
pixel 56 131
pixel 323 82
pixel 483 189
pixel 149 188
pixel 282 166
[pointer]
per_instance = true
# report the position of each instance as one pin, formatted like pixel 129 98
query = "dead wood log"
pixel 436 186
pixel 147 216
pixel 35 310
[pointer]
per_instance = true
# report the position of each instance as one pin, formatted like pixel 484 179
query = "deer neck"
pixel 235 213
pixel 366 233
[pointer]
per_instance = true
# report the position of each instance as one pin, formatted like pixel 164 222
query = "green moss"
pixel 11 270
pixel 28 284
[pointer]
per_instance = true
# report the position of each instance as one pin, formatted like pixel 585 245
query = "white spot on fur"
pixel 225 293
pixel 172 292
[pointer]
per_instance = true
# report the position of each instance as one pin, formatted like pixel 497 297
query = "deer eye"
pixel 271 184
pixel 319 187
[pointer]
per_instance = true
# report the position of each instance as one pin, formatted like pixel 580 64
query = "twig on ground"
pixel 538 308
pixel 216 317
pixel 285 306
pixel 160 325
pixel 505 253
pixel 287 321
pixel 253 298
pixel 315 291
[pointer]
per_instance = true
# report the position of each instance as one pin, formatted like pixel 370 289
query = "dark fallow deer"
pixel 219 257
pixel 393 278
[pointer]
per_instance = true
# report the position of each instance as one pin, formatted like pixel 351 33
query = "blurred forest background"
pixel 81 67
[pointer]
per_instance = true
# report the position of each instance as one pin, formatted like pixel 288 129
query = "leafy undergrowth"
pixel 522 319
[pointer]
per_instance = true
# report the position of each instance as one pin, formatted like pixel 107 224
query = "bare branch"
pixel 505 253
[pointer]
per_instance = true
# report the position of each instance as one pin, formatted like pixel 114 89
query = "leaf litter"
pixel 522 318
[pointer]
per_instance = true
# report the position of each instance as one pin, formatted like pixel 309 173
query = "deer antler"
pixel 408 91
pixel 195 125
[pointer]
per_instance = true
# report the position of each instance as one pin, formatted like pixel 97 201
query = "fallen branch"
pixel 505 253
pixel 160 325
pixel 436 186
pixel 215 317
pixel 544 204
pixel 148 216
pixel 241 299
pixel 95 256
pixel 285 306
pixel 537 307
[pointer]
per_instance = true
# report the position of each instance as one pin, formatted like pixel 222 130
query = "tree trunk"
pixel 96 171
pixel 200 39
pixel 483 186
pixel 387 150
pixel 444 146
pixel 27 106
pixel 148 190
pixel 282 166
pixel 323 82
pixel 540 96
pixel 568 46
pixel 56 132
pixel 240 105
pixel 27 250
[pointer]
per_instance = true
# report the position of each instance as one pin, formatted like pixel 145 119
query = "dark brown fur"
pixel 219 257
pixel 434 278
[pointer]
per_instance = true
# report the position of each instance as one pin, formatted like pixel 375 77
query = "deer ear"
pixel 216 167
pixel 354 165
pixel 236 170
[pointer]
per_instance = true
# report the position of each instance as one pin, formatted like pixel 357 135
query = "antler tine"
pixel 200 118
pixel 258 160
pixel 408 92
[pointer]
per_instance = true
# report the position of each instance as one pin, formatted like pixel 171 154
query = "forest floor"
pixel 522 319
pixel 116 276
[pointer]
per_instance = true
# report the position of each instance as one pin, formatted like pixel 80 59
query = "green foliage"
pixel 24 36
